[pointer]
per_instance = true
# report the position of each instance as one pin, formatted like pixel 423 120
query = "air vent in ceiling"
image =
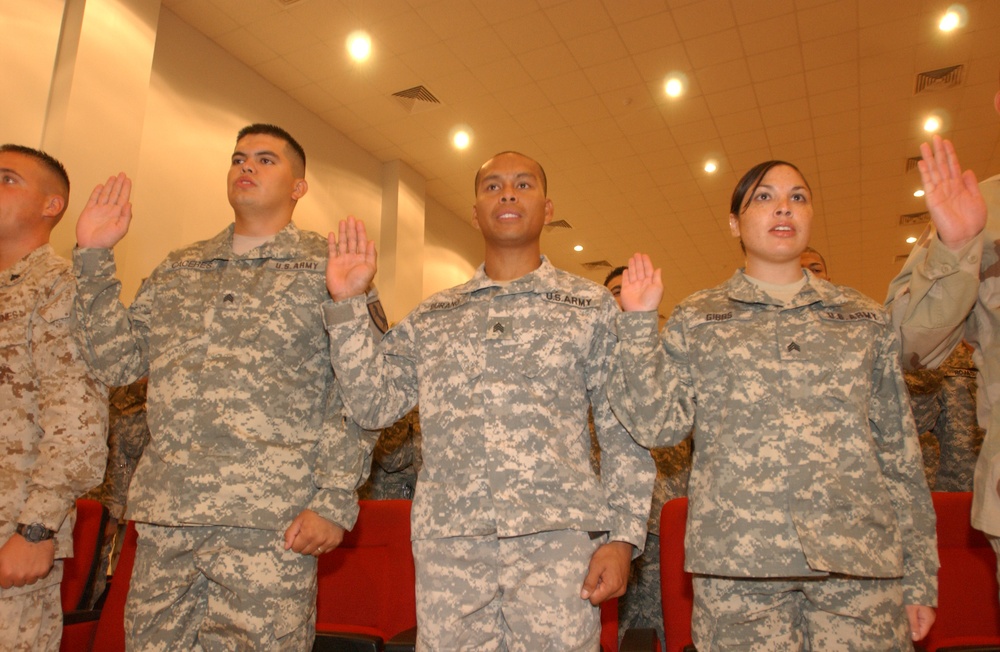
pixel 597 264
pixel 938 80
pixel 417 99
pixel 911 163
pixel 909 219
pixel 559 224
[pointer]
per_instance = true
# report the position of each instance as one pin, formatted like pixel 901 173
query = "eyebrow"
pixel 11 171
pixel 265 152
pixel 519 175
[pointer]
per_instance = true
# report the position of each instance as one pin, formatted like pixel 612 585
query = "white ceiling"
pixel 826 84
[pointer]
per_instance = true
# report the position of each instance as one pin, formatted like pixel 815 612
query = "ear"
pixel 299 189
pixel 734 225
pixel 53 206
pixel 550 211
pixel 475 218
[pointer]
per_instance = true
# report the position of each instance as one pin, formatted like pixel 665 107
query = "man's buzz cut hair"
pixel 51 163
pixel 613 274
pixel 277 132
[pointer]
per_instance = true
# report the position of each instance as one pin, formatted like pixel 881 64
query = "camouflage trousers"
pixel 219 588
pixel 31 621
pixel 521 594
pixel 831 613
pixel 641 606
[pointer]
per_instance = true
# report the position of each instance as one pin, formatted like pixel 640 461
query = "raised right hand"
pixel 642 286
pixel 352 261
pixel 953 199
pixel 105 219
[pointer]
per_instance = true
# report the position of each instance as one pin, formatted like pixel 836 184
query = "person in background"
pixel 810 525
pixel 53 410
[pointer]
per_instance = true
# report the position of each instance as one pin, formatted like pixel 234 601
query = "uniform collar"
pixel 541 279
pixel 16 272
pixel 284 245
pixel 816 290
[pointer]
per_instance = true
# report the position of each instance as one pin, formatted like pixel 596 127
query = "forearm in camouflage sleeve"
pixel 931 298
pixel 73 407
pixel 113 340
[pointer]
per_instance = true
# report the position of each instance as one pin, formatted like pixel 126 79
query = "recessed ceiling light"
pixel 711 165
pixel 675 84
pixel 918 193
pixel 578 248
pixel 911 240
pixel 461 136
pixel 932 124
pixel 359 45
pixel 956 16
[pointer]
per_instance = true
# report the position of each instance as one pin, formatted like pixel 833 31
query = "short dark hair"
pixel 545 182
pixel 51 163
pixel 613 274
pixel 277 132
pixel 810 250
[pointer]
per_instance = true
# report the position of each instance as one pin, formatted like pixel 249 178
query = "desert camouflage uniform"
pixel 53 420
pixel 247 426
pixel 941 297
pixel 944 408
pixel 504 374
pixel 395 461
pixel 806 462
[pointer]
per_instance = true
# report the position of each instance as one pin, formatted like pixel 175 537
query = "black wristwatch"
pixel 35 532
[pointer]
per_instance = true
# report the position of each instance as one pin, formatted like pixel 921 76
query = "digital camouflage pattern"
pixel 827 613
pixel 806 459
pixel 260 597
pixel 641 606
pixel 537 578
pixel 53 411
pixel 33 622
pixel 504 374
pixel 941 297
pixel 944 408
pixel 395 461
pixel 247 427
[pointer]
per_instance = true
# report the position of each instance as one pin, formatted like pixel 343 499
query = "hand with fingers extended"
pixel 953 198
pixel 352 261
pixel 105 219
pixel 642 286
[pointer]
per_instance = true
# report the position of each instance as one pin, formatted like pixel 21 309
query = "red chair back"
pixel 968 609
pixel 80 570
pixel 367 584
pixel 110 636
pixel 675 584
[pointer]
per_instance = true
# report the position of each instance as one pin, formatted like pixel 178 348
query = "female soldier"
pixel 810 524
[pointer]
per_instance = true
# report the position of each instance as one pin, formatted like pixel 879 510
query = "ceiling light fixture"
pixel 359 45
pixel 461 137
pixel 675 84
pixel 956 16
pixel 911 240
pixel 711 165
pixel 918 193
pixel 578 248
pixel 932 124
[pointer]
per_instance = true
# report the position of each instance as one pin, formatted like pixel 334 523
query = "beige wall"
pixel 196 99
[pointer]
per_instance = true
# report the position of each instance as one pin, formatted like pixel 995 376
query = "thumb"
pixel 293 531
pixel 589 583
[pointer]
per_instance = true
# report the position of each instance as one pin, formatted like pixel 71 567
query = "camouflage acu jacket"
pixel 940 297
pixel 246 423
pixel 53 411
pixel 504 375
pixel 806 459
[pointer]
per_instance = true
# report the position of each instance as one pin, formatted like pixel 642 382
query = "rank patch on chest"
pixel 500 328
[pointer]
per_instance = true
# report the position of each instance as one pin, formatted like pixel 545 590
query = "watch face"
pixel 35 532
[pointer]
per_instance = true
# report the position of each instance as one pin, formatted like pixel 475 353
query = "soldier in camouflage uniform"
pixel 944 407
pixel 642 605
pixel 395 461
pixel 53 411
pixel 810 524
pixel 949 289
pixel 252 464
pixel 508 519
